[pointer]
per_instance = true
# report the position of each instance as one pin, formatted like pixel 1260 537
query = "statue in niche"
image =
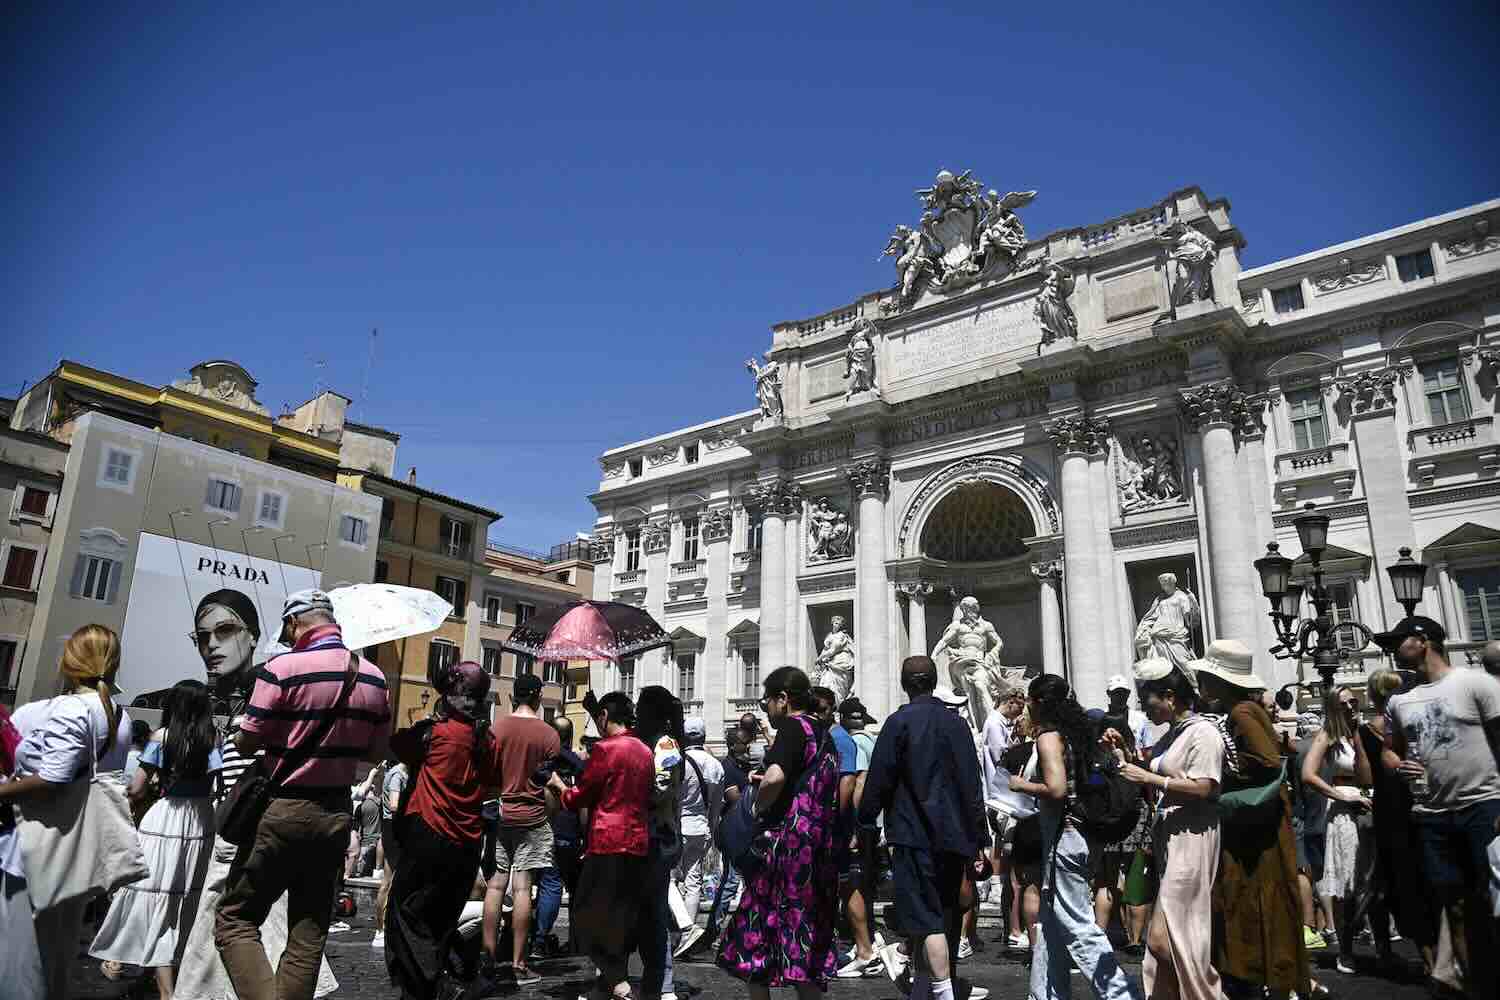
pixel 1191 257
pixel 1052 310
pixel 831 535
pixel 767 386
pixel 834 667
pixel 859 360
pixel 1146 474
pixel 1166 629
pixel 972 647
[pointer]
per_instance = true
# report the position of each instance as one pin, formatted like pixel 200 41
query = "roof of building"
pixel 355 425
pixel 422 491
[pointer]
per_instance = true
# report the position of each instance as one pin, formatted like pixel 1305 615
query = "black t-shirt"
pixel 734 775
pixel 566 828
pixel 790 752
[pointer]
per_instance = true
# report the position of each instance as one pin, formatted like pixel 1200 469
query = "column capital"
pixel 655 536
pixel 1222 402
pixel 869 478
pixel 1371 391
pixel 916 591
pixel 1082 435
pixel 717 524
pixel 602 547
pixel 775 496
pixel 1487 358
pixel 1050 569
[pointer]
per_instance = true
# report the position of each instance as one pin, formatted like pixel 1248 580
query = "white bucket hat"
pixel 1232 662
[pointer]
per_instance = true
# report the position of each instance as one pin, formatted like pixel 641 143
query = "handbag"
pixel 1257 805
pixel 80 841
pixel 237 816
pixel 743 838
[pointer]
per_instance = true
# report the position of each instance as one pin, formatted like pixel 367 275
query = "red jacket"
pixel 616 787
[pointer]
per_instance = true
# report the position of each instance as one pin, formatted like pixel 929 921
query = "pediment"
pixel 1466 539
pixel 1336 559
pixel 746 629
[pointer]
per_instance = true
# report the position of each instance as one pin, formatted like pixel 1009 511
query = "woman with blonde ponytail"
pixel 61 739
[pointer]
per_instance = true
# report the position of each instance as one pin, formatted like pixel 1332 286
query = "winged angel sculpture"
pixel 966 235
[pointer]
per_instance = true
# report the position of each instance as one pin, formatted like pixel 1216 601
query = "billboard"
pixel 195 610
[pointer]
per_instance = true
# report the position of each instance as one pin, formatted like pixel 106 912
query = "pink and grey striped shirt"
pixel 295 691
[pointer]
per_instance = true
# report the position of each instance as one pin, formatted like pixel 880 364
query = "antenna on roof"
pixel 364 390
pixel 318 385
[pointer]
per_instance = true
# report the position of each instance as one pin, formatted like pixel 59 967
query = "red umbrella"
pixel 588 630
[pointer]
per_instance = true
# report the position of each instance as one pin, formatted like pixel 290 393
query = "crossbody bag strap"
pixel 294 760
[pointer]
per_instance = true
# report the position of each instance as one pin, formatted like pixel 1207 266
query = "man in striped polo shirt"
pixel 300 843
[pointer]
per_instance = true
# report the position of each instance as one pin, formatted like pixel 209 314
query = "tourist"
pixel 1186 767
pixel 453 758
pixel 20 959
pixel 1066 739
pixel 366 799
pixel 1023 833
pixel 783 932
pixel 140 735
pixel 1255 896
pixel 318 687
pixel 391 788
pixel 1349 806
pixel 863 882
pixel 659 724
pixel 524 838
pixel 61 740
pixel 924 777
pixel 737 765
pixel 1445 733
pixel 1489 657
pixel 1310 826
pixel 148 922
pixel 998 736
pixel 615 788
pixel 567 849
pixel 1115 862
pixel 1397 884
pixel 702 797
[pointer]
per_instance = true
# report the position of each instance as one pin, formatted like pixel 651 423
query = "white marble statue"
pixel 972 647
pixel 859 361
pixel 1001 234
pixel 831 536
pixel 1052 310
pixel 767 386
pixel 913 261
pixel 834 667
pixel 1147 472
pixel 1192 256
pixel 1166 629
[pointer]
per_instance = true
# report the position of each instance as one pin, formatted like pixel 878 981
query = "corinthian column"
pixel 769 498
pixel 1049 575
pixel 916 616
pixel 1076 439
pixel 868 480
pixel 1218 412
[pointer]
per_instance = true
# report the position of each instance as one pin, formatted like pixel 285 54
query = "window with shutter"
pixel 9 657
pixel 689 539
pixel 1481 590
pixel 352 529
pixel 441 655
pixel 455 592
pixel 1442 384
pixel 1309 429
pixel 627 677
pixel 750 671
pixel 22 565
pixel 32 503
pixel 492 658
pixel 223 496
pixel 119 467
pixel 687 677
pixel 270 511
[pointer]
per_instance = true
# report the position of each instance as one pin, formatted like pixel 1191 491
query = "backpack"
pixel 1104 806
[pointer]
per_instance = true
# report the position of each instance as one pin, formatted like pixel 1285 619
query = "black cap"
pixel 1416 625
pixel 851 707
pixel 526 687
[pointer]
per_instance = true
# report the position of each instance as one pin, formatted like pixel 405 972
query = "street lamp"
pixel 1407 578
pixel 1313 637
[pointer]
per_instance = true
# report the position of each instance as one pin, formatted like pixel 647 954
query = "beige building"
pixel 1049 424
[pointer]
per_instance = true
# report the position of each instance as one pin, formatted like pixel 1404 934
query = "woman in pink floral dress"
pixel 783 932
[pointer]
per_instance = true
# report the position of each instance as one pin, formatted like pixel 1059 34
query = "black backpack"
pixel 1104 806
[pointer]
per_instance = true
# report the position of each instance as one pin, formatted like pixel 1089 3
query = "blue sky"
pixel 571 223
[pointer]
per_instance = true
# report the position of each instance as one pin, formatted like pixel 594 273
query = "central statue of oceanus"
pixel 972 647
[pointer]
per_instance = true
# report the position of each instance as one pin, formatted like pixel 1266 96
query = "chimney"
pixel 411 476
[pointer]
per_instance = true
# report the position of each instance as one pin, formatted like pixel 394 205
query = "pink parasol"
pixel 587 630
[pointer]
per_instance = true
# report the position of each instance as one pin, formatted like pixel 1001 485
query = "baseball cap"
pixel 526 686
pixel 303 601
pixel 694 728
pixel 1416 625
pixel 1118 683
pixel 851 707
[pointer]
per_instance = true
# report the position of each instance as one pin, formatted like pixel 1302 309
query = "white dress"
pixel 1341 851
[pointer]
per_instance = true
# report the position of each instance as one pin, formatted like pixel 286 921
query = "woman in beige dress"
pixel 1185 768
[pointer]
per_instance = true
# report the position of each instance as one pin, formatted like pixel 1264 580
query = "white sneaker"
pixel 978 993
pixel 893 960
pixel 689 939
pixel 965 949
pixel 1019 941
pixel 860 968
pixel 378 941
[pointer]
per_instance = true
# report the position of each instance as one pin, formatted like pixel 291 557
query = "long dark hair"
pixel 1054 707
pixel 188 722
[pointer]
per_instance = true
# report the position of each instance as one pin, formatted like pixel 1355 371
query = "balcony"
pixel 630 585
pixel 690 569
pixel 744 571
pixel 1463 442
pixel 1322 473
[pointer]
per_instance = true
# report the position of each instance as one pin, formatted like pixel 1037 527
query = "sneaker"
pixel 893 960
pixel 1019 941
pixel 524 976
pixel 1346 966
pixel 861 968
pixel 378 941
pixel 1312 940
pixel 1330 935
pixel 965 949
pixel 965 990
pixel 339 927
pixel 689 940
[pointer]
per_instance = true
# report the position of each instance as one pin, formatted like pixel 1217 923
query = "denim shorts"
pixel 1453 848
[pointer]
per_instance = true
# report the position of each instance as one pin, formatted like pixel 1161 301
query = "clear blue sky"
pixel 572 223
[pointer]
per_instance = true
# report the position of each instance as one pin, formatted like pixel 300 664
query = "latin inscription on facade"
pixel 823 454
pixel 964 340
pixel 966 418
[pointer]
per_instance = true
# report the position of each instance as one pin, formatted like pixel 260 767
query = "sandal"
pixel 113 971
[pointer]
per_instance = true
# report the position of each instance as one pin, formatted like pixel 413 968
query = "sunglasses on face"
pixel 222 632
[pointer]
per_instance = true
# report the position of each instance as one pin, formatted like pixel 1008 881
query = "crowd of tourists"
pixel 1231 836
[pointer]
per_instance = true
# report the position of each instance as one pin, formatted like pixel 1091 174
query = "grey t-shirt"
pixel 1444 721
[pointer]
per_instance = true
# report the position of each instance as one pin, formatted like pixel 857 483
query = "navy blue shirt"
pixel 924 775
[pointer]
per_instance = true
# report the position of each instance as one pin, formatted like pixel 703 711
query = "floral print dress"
pixel 783 932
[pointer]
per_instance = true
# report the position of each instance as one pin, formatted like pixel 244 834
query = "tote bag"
pixel 80 842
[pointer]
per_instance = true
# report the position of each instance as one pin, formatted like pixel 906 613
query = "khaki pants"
pixel 298 850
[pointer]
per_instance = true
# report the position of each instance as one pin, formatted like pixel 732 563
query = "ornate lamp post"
pixel 1315 637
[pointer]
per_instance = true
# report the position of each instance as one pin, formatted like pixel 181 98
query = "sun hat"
pixel 1152 668
pixel 1231 662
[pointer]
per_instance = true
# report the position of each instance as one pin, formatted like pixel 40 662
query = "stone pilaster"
pixel 796 621
pixel 1076 438
pixel 869 482
pixel 656 541
pixel 916 616
pixel 770 499
pixel 1114 637
pixel 713 670
pixel 1255 474
pixel 1049 577
pixel 1217 412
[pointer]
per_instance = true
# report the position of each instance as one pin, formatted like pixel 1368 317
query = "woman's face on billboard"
pixel 224 642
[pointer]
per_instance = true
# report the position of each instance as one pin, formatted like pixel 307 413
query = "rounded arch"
pixel 977 522
pixel 1009 471
pixel 1440 329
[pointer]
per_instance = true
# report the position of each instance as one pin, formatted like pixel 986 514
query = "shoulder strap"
pixel 294 760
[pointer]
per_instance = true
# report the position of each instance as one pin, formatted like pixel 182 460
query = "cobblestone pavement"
pixel 361 974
